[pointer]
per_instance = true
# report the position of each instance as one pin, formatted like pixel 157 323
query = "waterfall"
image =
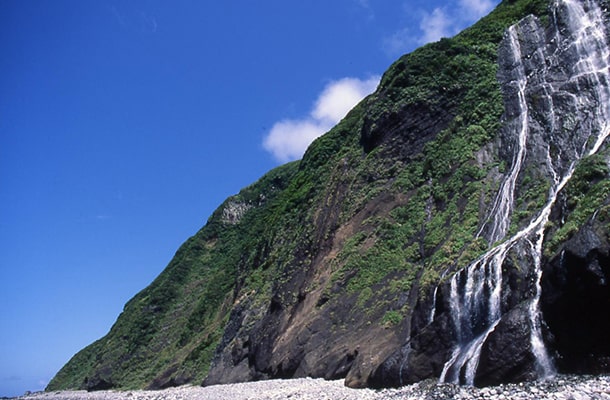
pixel 589 42
pixel 433 308
pixel 502 208
pixel 475 312
pixel 476 290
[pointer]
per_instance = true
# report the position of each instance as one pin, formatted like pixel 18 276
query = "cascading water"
pixel 502 208
pixel 580 48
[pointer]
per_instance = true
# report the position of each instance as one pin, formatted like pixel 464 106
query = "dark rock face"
pixel 420 123
pixel 100 381
pixel 298 340
pixel 168 379
pixel 427 349
pixel 235 365
pixel 507 356
pixel 576 302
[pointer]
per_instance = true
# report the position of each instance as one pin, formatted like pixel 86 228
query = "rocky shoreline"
pixel 559 388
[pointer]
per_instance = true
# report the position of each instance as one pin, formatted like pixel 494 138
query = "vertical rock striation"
pixel 555 81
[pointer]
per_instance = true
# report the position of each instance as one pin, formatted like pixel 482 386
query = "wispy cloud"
pixel 437 23
pixel 120 17
pixel 148 23
pixel 366 7
pixel 288 139
pixel 475 9
pixel 399 42
pixel 136 20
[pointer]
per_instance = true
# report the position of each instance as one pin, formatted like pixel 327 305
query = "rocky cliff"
pixel 454 225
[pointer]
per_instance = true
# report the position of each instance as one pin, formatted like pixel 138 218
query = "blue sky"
pixel 124 124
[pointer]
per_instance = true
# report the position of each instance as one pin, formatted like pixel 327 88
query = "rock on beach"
pixel 558 388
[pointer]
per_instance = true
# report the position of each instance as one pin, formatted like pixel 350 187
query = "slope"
pixel 330 267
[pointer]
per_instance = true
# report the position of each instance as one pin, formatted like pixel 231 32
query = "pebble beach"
pixel 560 388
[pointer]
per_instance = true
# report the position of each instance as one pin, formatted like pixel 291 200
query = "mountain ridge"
pixel 332 266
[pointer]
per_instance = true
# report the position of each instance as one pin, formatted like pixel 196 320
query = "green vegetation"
pixel 391 318
pixel 531 198
pixel 434 226
pixel 587 193
pixel 179 319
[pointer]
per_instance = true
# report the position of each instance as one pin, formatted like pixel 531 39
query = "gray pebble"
pixel 561 388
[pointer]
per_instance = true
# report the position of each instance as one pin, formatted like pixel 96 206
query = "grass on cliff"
pixel 586 195
pixel 435 227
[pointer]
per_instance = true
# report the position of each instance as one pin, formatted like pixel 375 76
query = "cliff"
pixel 454 225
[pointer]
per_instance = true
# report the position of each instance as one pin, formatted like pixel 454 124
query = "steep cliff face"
pixel 484 325
pixel 453 225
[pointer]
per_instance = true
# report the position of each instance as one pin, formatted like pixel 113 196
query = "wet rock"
pixel 576 301
pixel 506 355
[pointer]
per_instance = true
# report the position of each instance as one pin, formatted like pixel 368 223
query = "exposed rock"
pixel 576 302
pixel 233 212
pixel 507 355
pixel 98 383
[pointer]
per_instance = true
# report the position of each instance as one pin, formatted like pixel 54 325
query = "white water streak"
pixel 586 38
pixel 502 208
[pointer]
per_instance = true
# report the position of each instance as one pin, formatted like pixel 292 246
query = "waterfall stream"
pixel 476 290
pixel 502 208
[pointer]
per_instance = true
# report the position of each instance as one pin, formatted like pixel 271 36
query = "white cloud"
pixel 288 139
pixel 475 9
pixel 435 25
pixel 340 96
